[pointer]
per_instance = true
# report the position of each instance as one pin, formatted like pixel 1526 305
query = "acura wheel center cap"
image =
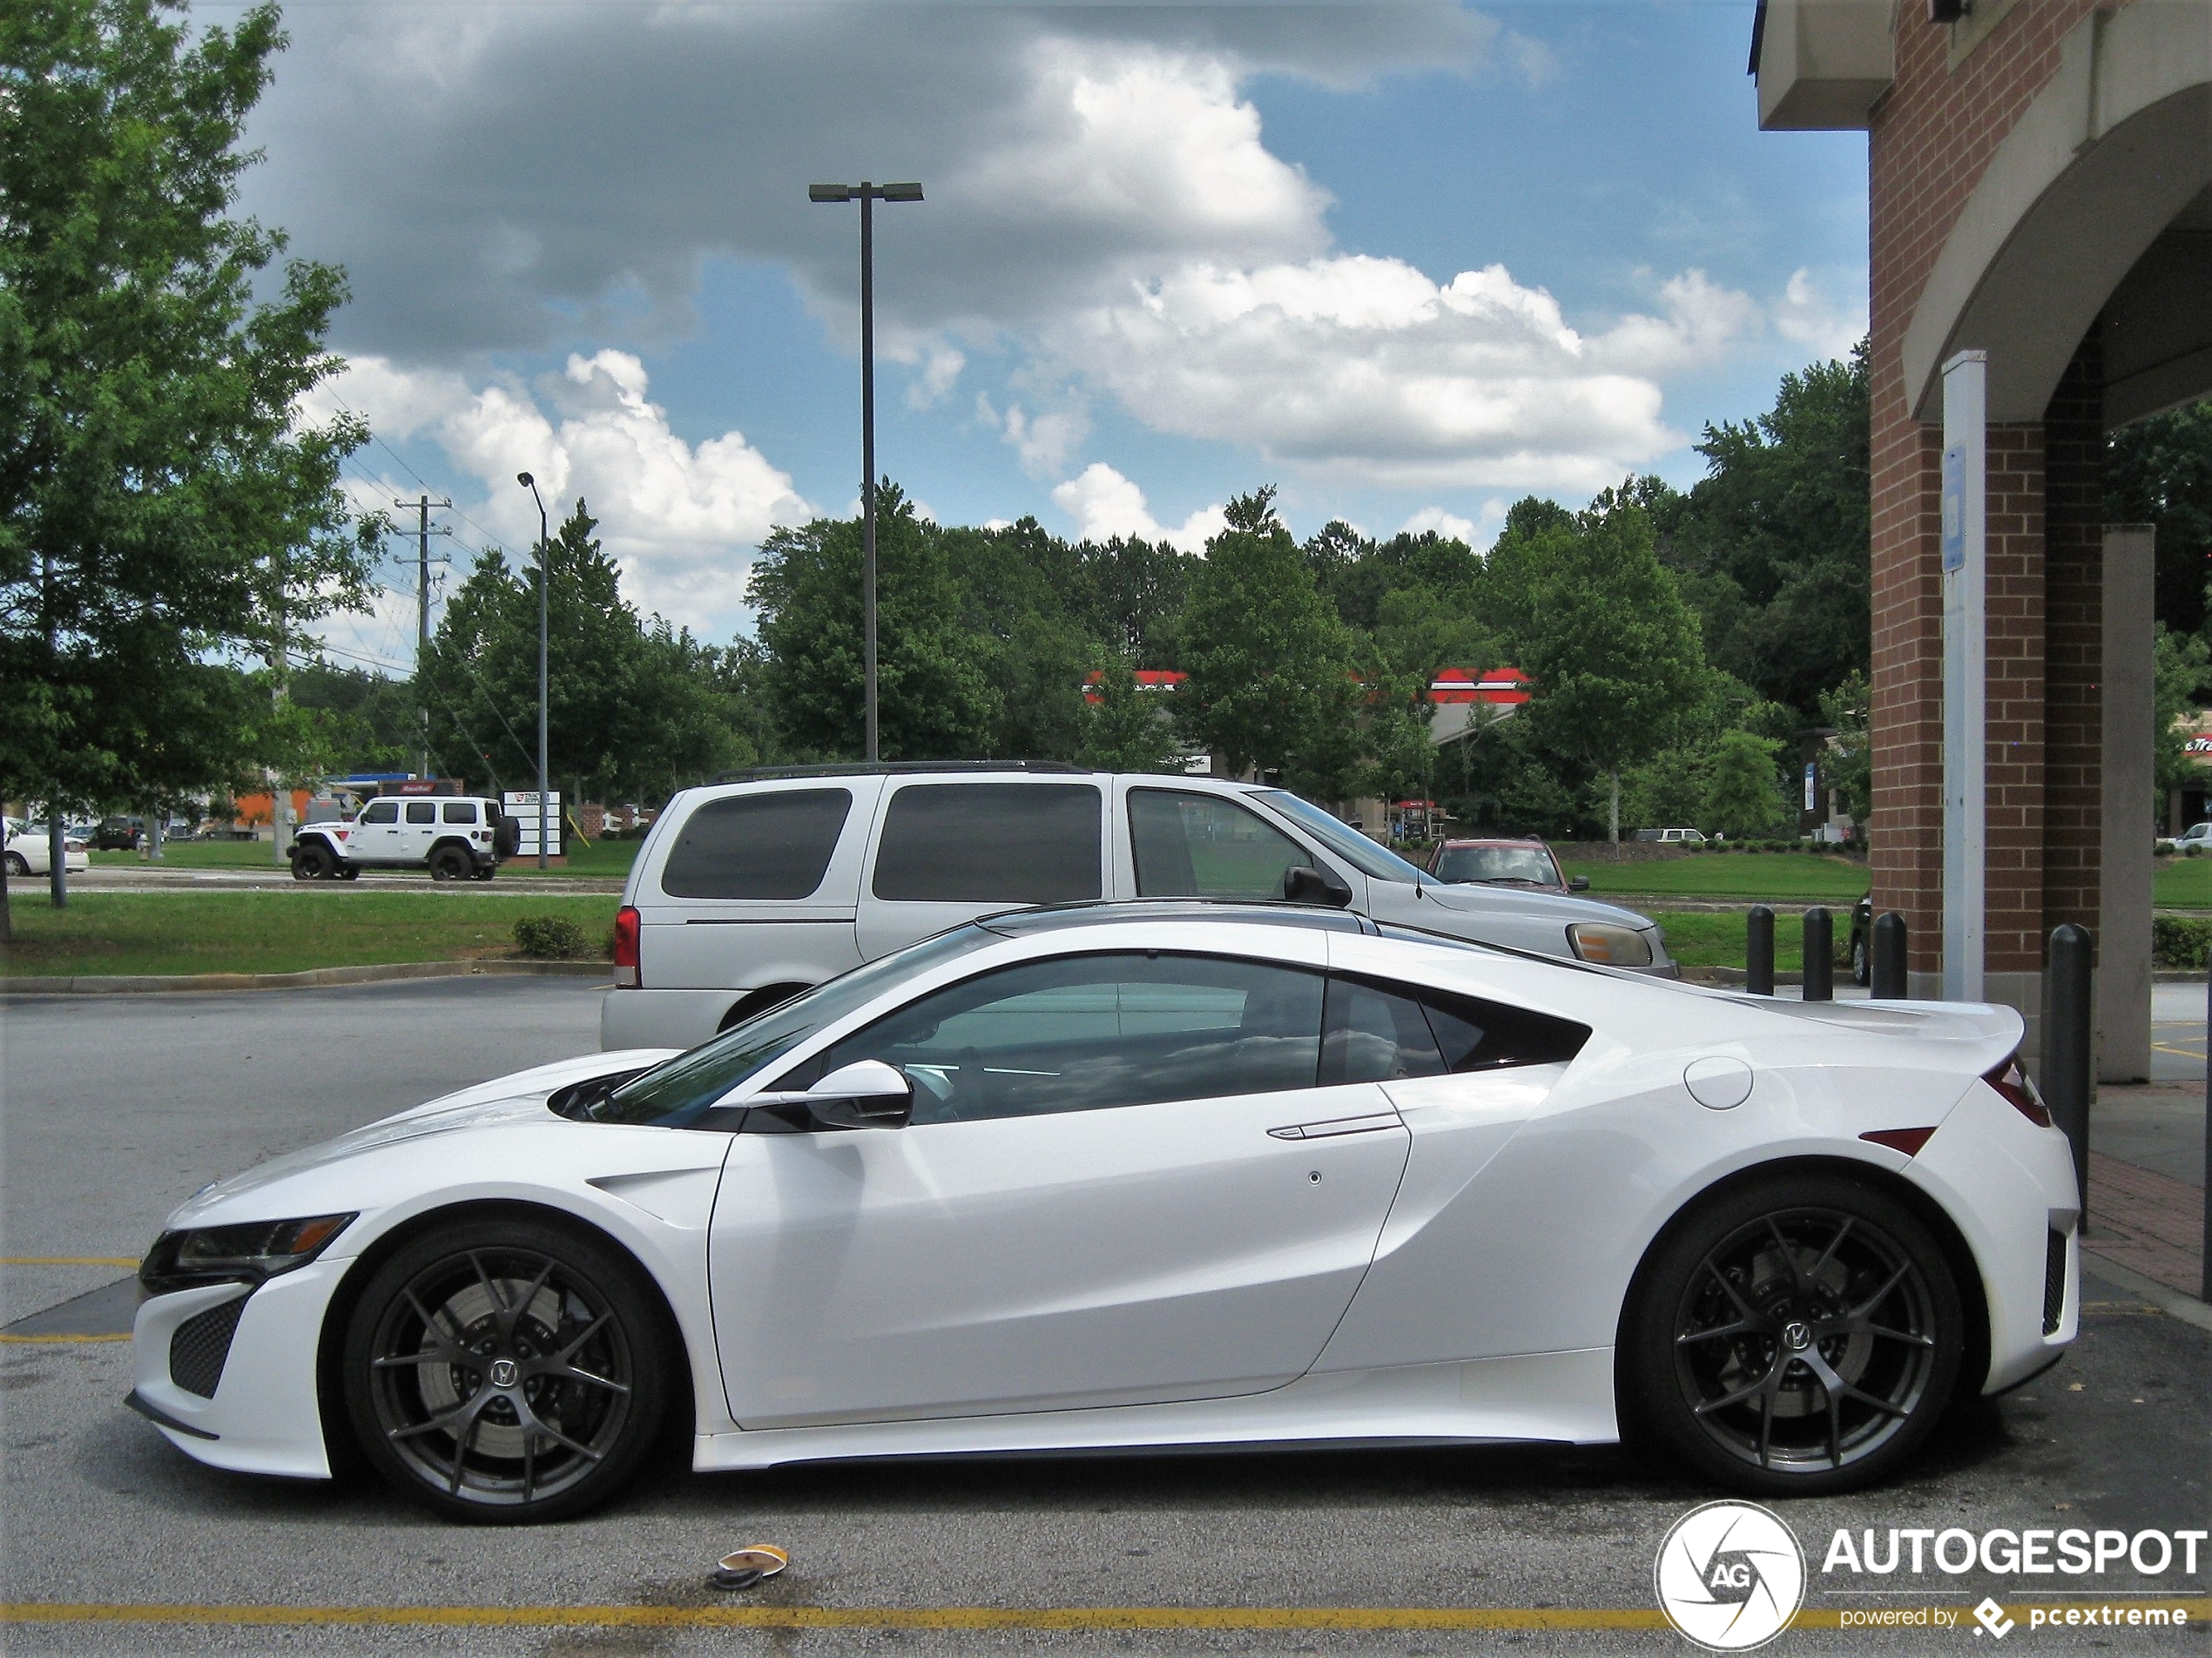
pixel 505 1372
pixel 1796 1335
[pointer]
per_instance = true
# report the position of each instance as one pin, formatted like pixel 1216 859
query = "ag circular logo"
pixel 1729 1576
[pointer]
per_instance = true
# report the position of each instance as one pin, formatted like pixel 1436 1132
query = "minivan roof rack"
pixel 891 768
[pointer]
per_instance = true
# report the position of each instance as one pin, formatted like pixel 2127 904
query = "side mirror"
pixel 1578 884
pixel 867 1094
pixel 1303 884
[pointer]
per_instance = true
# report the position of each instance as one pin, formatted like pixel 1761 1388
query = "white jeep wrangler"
pixel 454 837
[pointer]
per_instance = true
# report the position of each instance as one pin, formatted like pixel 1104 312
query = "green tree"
pixel 2182 666
pixel 1591 614
pixel 1743 798
pixel 1270 665
pixel 2159 471
pixel 163 515
pixel 1128 729
pixel 1849 712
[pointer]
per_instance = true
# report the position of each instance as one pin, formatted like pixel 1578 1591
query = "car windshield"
pixel 1342 839
pixel 1497 863
pixel 676 1093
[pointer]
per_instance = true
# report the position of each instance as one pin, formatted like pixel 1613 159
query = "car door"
pixel 945 852
pixel 1189 843
pixel 1124 1183
pixel 418 831
pixel 376 837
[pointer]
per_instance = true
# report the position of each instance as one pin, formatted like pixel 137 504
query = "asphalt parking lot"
pixel 116 1108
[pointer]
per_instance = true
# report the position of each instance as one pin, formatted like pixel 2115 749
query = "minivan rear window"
pixel 991 843
pixel 768 846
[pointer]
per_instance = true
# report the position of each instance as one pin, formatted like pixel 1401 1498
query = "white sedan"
pixel 29 852
pixel 1145 1176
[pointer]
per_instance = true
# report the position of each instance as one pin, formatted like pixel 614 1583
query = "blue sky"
pixel 1169 253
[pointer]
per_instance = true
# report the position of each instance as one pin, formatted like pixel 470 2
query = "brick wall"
pixel 1929 140
pixel 2073 446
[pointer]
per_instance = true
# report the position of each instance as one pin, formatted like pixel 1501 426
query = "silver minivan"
pixel 744 893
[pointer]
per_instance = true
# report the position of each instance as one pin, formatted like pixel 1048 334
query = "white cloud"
pixel 681 519
pixel 1362 368
pixel 939 371
pixel 1042 441
pixel 1806 315
pixel 1105 504
pixel 1449 525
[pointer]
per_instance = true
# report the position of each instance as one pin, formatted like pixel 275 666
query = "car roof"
pixel 1049 918
pixel 1494 840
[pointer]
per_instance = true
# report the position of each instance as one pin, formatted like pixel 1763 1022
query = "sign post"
pixel 1965 671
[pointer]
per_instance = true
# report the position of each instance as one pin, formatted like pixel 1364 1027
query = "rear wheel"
pixel 507 1372
pixel 18 864
pixel 451 864
pixel 1860 971
pixel 1798 1337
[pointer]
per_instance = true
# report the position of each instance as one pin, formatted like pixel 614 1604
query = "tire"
pixel 311 860
pixel 349 872
pixel 1861 969
pixel 18 864
pixel 485 872
pixel 451 864
pixel 560 1432
pixel 1728 1333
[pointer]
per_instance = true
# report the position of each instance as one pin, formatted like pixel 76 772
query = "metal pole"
pixel 868 452
pixel 2070 1046
pixel 1758 950
pixel 544 552
pixel 1965 671
pixel 1820 955
pixel 422 621
pixel 2204 1289
pixel 1886 958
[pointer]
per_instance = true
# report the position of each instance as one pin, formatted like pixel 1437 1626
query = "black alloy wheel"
pixel 311 862
pixel 451 864
pixel 1861 971
pixel 507 1372
pixel 1801 1336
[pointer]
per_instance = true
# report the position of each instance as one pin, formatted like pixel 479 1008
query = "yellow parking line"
pixel 2185 1053
pixel 1020 1618
pixel 42 1341
pixel 68 1260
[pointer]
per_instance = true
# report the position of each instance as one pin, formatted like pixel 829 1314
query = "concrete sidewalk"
pixel 2147 1181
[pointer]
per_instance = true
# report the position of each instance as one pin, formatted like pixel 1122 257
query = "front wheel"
pixel 18 864
pixel 311 861
pixel 507 1372
pixel 1860 971
pixel 1797 1337
pixel 451 864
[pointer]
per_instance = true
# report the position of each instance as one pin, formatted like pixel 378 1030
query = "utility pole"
pixel 422 533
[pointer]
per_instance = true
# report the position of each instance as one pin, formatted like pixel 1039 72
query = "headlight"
pixel 1615 947
pixel 236 1254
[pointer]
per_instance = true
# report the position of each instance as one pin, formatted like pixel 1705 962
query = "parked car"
pixel 118 834
pixel 1682 837
pixel 2197 836
pixel 1502 863
pixel 29 851
pixel 1136 1176
pixel 456 838
pixel 746 894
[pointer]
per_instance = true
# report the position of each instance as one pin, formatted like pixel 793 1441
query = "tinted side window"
pixel 1097 1032
pixel 461 811
pixel 381 812
pixel 1200 845
pixel 422 812
pixel 1476 1035
pixel 770 845
pixel 1375 1036
pixel 991 843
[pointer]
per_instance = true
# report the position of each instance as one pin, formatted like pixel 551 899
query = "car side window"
pixel 1375 1036
pixel 1189 845
pixel 1473 1034
pixel 1091 1033
pixel 991 843
pixel 381 812
pixel 772 845
pixel 461 811
pixel 422 812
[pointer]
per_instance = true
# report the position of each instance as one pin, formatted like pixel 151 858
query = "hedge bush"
pixel 2180 941
pixel 551 938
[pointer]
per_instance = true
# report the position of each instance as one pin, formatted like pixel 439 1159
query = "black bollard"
pixel 2070 1046
pixel 1758 950
pixel 1885 959
pixel 1820 955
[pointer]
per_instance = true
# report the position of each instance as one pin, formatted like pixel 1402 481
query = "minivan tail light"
pixel 2011 1082
pixel 627 973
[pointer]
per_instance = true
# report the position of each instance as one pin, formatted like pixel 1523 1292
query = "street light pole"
pixel 544 550
pixel 867 194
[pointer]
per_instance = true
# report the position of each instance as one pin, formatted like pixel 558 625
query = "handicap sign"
pixel 1954 508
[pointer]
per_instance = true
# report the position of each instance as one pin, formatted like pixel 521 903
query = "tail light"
pixel 2011 1082
pixel 627 973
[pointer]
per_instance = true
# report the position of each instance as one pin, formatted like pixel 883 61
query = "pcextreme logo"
pixel 1729 1576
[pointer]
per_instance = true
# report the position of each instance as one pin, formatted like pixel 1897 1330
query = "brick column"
pixel 2073 451
pixel 2013 807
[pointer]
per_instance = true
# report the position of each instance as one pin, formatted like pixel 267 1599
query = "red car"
pixel 1502 863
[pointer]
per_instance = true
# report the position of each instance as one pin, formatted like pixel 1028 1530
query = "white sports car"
pixel 1151 1174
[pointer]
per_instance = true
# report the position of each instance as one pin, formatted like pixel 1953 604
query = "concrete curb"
pixel 141 983
pixel 2172 1302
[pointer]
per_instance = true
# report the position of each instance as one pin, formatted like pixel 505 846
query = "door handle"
pixel 1370 1122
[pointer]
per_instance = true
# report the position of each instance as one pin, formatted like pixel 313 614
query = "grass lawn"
pixel 1793 877
pixel 605 859
pixel 283 931
pixel 2182 883
pixel 1716 938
